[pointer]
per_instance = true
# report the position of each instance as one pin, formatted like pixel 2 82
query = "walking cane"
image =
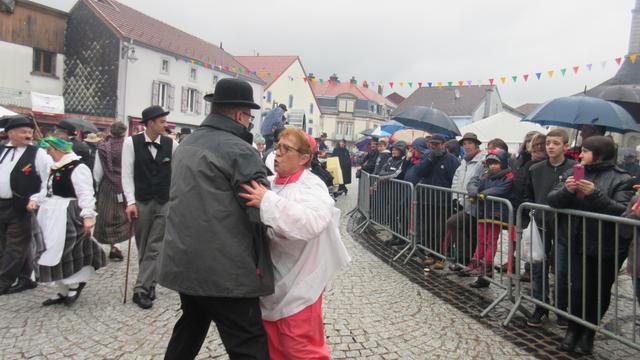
pixel 126 276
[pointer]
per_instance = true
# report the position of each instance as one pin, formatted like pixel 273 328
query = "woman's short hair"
pixel 299 138
pixel 602 147
pixel 258 139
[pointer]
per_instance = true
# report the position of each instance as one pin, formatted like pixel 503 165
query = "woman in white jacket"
pixel 306 249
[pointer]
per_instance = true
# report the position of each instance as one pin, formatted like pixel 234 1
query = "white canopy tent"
pixel 504 125
pixel 5 112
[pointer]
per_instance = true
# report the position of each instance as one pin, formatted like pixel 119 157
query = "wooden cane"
pixel 126 276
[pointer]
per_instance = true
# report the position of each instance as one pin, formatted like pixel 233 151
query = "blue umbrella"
pixel 391 126
pixel 575 111
pixel 428 119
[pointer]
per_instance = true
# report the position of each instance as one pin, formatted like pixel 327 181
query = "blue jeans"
pixel 540 271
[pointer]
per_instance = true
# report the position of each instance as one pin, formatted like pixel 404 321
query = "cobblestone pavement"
pixel 377 309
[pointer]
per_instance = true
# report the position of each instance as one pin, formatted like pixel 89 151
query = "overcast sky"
pixel 413 40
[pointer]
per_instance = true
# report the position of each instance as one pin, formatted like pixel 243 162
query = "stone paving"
pixel 377 309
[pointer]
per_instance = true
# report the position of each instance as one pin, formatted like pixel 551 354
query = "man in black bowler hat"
pixel 215 252
pixel 67 131
pixel 24 170
pixel 146 176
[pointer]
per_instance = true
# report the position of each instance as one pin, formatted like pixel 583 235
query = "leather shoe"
pixel 115 254
pixel 480 283
pixel 70 300
pixel 571 338
pixel 142 300
pixel 22 285
pixel 585 343
pixel 152 294
pixel 59 300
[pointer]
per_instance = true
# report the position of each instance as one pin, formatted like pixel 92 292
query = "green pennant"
pixel 321 81
pixel 410 84
pixel 514 78
pixel 450 83
pixel 563 71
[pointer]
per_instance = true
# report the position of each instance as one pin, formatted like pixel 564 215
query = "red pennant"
pixel 525 77
pixel 391 84
pixel 618 60
pixel 491 82
pixel 306 79
pixel 461 83
pixel 575 69
pixel 419 84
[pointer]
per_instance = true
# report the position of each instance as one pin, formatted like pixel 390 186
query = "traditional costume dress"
pixel 307 251
pixel 71 257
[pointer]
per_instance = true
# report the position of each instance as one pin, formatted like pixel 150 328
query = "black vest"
pixel 61 184
pixel 152 177
pixel 24 178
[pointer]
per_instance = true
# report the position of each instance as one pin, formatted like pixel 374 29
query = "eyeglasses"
pixel 284 148
pixel 249 115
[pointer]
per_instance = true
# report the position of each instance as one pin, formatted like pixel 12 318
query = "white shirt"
pixel 128 159
pixel 82 181
pixel 42 164
pixel 306 248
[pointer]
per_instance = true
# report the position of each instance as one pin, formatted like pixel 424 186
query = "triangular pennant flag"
pixel 514 78
pixel 503 79
pixel 538 75
pixel 373 84
pixel 306 79
pixel 469 82
pixel 450 83
pixel 420 84
pixel 430 84
pixel 563 71
pixel 439 84
pixel 525 77
pixel 633 58
pixel 461 83
pixel 575 69
pixel 410 84
pixel 550 73
pixel 589 66
pixel 355 82
pixel 365 84
pixel 401 83
pixel 618 60
pixel 391 84
pixel 321 81
pixel 603 63
pixel 491 82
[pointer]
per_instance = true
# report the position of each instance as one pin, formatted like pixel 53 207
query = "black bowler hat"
pixel 185 131
pixel 233 92
pixel 470 136
pixel 153 112
pixel 67 126
pixel 18 121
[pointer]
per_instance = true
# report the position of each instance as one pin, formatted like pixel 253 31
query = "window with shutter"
pixel 170 99
pixel 198 102
pixel 155 87
pixel 185 100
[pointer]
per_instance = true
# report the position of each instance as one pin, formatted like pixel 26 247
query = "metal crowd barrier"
pixel 580 287
pixel 452 227
pixel 364 200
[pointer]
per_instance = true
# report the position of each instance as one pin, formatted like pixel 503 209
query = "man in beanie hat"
pixel 111 225
pixel 24 170
pixel 215 253
pixel 146 177
pixel 67 131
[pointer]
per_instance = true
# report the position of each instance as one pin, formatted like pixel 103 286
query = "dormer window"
pixel 346 105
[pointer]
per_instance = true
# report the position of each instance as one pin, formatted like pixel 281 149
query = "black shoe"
pixel 59 300
pixel 142 300
pixel 571 337
pixel 115 254
pixel 70 300
pixel 152 294
pixel 538 317
pixel 22 285
pixel 480 283
pixel 456 267
pixel 585 343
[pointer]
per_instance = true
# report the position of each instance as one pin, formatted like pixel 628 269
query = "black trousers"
pixel 15 245
pixel 239 322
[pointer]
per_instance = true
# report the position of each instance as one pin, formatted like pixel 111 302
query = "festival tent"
pixel 5 112
pixel 504 125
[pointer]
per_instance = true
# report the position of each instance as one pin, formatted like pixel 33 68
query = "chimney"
pixel 353 80
pixel 311 77
pixel 487 102
pixel 380 89
pixel 634 38
pixel 221 46
pixel 334 77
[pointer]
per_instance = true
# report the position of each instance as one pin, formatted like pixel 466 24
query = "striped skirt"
pixel 111 224
pixel 79 250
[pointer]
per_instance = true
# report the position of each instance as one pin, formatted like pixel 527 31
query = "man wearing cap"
pixel 462 225
pixel 215 253
pixel 24 170
pixel 67 131
pixel 146 177
pixel 274 120
pixel 92 140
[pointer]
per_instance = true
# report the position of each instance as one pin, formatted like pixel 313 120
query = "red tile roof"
pixel 527 108
pixel 395 98
pixel 130 23
pixel 333 89
pixel 265 65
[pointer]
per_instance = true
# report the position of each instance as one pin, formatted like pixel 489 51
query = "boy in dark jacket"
pixel 497 181
pixel 542 178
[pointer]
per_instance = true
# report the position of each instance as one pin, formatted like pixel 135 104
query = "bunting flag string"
pixel 540 75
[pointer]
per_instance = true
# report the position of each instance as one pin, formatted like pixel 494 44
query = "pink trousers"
pixel 299 336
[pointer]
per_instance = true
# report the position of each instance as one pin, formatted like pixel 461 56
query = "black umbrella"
pixel 83 125
pixel 428 119
pixel 575 111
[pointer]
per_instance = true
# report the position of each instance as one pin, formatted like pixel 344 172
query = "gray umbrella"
pixel 428 119
pixel 83 125
pixel 575 111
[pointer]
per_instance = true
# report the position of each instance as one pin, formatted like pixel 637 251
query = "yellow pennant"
pixel 550 73
pixel 503 79
pixel 633 58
